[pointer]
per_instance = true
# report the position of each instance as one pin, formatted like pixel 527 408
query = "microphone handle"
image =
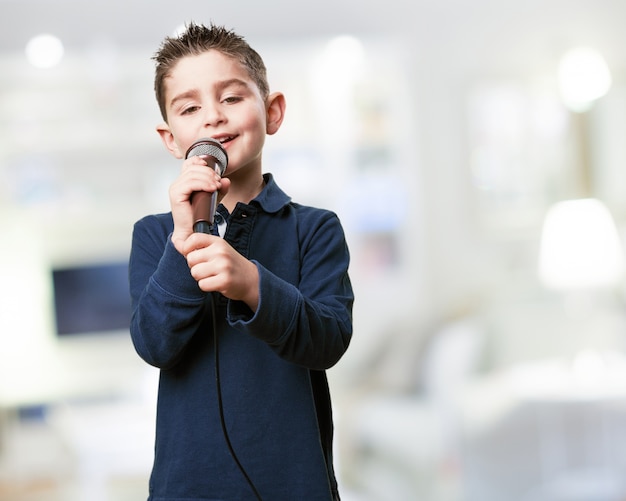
pixel 202 227
pixel 204 204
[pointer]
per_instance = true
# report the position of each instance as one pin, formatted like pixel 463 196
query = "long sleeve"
pixel 167 305
pixel 309 323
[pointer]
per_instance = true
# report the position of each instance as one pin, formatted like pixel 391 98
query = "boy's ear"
pixel 275 112
pixel 168 139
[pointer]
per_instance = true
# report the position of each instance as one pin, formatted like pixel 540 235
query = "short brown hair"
pixel 197 39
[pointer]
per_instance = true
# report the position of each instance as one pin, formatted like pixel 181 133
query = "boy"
pixel 268 301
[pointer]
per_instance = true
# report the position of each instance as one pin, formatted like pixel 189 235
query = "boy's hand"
pixel 194 176
pixel 216 266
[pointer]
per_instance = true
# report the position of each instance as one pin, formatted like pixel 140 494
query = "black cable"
pixel 220 405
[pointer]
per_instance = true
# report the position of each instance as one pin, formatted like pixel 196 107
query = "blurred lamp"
pixel 44 51
pixel 580 247
pixel 583 78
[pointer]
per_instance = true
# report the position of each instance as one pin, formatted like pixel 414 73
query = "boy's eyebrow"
pixel 231 82
pixel 184 95
pixel 221 85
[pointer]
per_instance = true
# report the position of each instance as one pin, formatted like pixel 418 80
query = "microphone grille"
pixel 212 148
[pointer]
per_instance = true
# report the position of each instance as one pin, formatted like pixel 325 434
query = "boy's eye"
pixel 189 109
pixel 232 99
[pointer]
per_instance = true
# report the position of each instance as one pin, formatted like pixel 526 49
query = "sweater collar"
pixel 272 198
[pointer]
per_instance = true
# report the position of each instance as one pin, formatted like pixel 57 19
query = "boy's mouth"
pixel 224 139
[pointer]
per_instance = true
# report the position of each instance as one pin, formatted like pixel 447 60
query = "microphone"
pixel 204 204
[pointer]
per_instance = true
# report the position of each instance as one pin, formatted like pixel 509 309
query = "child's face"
pixel 211 95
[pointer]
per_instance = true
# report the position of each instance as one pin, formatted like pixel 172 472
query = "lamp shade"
pixel 580 246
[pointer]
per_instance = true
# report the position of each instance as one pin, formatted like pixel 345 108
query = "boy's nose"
pixel 213 115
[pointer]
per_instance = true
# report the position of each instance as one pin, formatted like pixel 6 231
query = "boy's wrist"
pixel 178 240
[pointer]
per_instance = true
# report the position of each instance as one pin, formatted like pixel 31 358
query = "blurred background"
pixel 476 155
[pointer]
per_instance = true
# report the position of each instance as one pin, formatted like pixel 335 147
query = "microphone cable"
pixel 220 405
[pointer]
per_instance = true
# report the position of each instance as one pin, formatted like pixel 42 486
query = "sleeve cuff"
pixel 173 275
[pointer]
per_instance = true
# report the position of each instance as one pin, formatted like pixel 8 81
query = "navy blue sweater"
pixel 276 401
